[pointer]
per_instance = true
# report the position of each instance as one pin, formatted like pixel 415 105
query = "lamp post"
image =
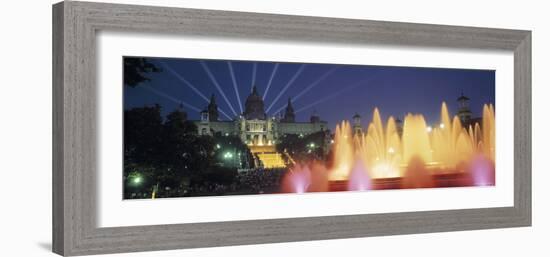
pixel 155 191
pixel 230 156
pixel 135 180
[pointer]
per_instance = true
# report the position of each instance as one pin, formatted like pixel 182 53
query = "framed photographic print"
pixel 181 128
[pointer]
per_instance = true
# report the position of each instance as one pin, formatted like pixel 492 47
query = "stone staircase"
pixel 269 156
pixel 272 160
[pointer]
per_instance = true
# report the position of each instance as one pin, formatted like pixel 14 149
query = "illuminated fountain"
pixel 297 180
pixel 422 157
pixel 380 149
pixel 343 152
pixel 451 143
pixel 416 142
pixel 488 141
pixel 359 179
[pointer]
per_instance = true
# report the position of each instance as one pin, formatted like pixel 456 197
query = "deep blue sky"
pixel 347 90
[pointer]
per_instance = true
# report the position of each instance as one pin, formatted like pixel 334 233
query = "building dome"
pixel 254 106
pixel 462 98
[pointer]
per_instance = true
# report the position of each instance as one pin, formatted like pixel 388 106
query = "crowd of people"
pixel 252 181
pixel 259 181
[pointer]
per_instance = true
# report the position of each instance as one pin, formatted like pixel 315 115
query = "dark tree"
pixel 231 151
pixel 183 149
pixel 303 148
pixel 142 140
pixel 142 134
pixel 171 159
pixel 135 70
pixel 162 154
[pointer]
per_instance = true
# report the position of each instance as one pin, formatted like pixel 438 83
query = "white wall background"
pixel 25 127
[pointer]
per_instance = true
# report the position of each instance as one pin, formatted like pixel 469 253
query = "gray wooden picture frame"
pixel 75 25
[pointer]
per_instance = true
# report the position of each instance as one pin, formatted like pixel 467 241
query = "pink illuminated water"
pixel 482 171
pixel 297 180
pixel 359 179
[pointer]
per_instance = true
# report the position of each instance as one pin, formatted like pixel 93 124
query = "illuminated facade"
pixel 253 126
pixel 256 129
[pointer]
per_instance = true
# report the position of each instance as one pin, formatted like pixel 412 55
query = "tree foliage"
pixel 304 148
pixel 142 134
pixel 135 70
pixel 170 153
pixel 240 153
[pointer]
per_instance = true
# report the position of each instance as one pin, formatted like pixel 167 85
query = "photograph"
pixel 199 127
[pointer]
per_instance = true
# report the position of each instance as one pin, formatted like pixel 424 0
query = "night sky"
pixel 334 91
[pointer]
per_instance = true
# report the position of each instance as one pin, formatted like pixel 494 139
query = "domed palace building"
pixel 258 130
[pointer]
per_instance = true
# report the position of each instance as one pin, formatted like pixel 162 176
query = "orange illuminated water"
pixel 343 152
pixel 418 155
pixel 380 148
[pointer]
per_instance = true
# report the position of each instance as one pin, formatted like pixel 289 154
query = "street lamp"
pixel 136 180
pixel 228 155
